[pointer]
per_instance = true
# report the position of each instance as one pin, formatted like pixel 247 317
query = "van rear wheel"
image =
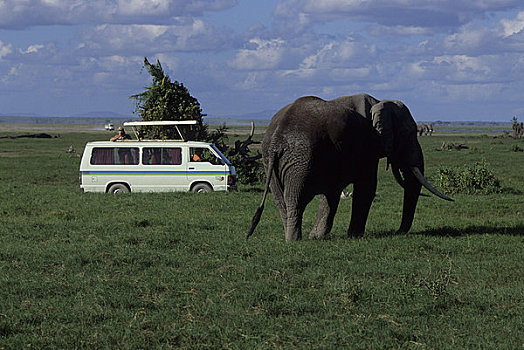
pixel 118 188
pixel 202 188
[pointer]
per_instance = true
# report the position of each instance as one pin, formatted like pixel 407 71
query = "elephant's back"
pixel 292 131
pixel 308 120
pixel 303 116
pixel 360 103
pixel 295 118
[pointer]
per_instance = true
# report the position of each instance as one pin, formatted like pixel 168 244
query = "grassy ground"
pixel 175 271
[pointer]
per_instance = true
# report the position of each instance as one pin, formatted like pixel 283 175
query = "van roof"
pixel 175 123
pixel 137 143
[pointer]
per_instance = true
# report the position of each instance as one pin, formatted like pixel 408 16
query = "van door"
pixel 207 167
pixel 164 169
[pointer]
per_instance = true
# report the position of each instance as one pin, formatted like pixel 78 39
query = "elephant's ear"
pixel 394 123
pixel 382 118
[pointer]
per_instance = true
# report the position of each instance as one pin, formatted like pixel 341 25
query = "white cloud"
pixel 340 54
pixel 399 14
pixel 513 26
pixel 398 30
pixel 462 65
pixel 264 54
pixel 403 49
pixel 32 49
pixel 472 38
pixel 146 8
pixel 188 35
pixel 27 13
pixel 5 49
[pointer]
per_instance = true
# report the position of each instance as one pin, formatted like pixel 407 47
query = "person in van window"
pixel 125 156
pixel 121 135
pixel 197 155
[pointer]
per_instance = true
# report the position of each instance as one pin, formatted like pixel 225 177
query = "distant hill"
pixel 63 120
pixel 260 118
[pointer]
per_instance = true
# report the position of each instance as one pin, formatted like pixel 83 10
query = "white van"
pixel 155 166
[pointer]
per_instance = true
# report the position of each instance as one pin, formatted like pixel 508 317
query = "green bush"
pixel 248 165
pixel 249 169
pixel 469 179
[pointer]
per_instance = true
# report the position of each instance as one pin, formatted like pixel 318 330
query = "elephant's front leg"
pixel 363 195
pixel 327 209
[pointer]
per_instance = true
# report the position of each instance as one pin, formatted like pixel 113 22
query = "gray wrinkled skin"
pixel 315 147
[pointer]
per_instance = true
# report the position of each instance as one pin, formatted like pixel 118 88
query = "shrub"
pixel 469 179
pixel 248 166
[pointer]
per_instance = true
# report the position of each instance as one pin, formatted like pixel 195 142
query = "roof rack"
pixel 174 123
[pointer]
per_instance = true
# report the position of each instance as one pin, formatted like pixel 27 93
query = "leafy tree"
pixel 167 100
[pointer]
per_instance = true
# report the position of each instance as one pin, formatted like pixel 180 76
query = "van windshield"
pixel 220 154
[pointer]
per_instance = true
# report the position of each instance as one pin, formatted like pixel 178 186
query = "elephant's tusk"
pixel 425 183
pixel 400 180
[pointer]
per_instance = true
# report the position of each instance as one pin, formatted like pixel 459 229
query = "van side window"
pixel 102 156
pixel 162 156
pixel 114 156
pixel 202 154
pixel 199 154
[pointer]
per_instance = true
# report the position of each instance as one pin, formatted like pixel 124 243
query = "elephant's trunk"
pixel 412 189
pixel 412 183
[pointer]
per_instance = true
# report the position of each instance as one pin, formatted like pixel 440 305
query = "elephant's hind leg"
pixel 278 195
pixel 294 224
pixel 327 209
pixel 296 202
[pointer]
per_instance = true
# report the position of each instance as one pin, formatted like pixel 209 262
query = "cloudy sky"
pixel 446 59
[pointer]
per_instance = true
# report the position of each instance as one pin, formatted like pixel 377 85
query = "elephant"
pixel 425 129
pixel 316 147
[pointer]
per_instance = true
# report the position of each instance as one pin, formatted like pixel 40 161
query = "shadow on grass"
pixel 517 230
pixel 251 189
pixel 448 231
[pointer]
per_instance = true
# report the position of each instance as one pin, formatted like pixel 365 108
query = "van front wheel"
pixel 117 189
pixel 202 188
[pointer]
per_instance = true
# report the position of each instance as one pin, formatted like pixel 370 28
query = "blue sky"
pixel 447 60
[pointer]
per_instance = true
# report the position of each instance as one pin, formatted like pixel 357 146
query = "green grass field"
pixel 175 270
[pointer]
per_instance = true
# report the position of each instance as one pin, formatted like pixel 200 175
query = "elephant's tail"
pixel 260 209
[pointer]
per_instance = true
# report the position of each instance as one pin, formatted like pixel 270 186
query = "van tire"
pixel 117 189
pixel 202 188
